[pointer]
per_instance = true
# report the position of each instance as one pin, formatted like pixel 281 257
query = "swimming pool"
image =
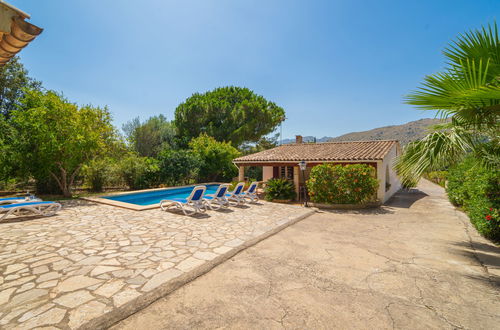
pixel 152 197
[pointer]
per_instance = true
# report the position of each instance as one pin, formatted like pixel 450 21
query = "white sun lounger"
pixel 18 199
pixel 235 195
pixel 37 208
pixel 251 192
pixel 219 199
pixel 194 200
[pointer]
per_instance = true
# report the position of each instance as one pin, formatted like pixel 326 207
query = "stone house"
pixel 283 161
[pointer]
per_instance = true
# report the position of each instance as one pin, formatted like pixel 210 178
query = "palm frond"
pixel 478 44
pixel 436 150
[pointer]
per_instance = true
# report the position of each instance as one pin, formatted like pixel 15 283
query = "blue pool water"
pixel 154 197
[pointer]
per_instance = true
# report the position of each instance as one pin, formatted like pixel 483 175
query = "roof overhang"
pixel 294 162
pixel 15 32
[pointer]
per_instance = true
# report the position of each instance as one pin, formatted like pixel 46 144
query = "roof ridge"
pixel 332 142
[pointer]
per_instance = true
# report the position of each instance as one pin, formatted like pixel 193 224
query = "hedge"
pixel 338 184
pixel 477 190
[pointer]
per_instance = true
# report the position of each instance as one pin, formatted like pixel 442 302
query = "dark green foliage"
pixel 254 173
pixel 150 137
pixel 139 172
pixel 477 190
pixel 232 114
pixel 178 167
pixel 338 184
pixel 264 143
pixel 216 159
pixel 457 177
pixel 13 80
pixel 280 189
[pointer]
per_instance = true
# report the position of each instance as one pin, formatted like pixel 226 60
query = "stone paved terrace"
pixel 94 264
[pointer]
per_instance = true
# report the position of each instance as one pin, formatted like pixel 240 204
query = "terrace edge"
pixel 116 315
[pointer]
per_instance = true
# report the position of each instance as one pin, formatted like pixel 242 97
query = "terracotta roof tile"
pixel 327 151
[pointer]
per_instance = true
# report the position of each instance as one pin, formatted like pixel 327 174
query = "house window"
pixel 284 172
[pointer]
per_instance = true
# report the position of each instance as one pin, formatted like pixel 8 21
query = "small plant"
pixel 280 189
pixel 338 184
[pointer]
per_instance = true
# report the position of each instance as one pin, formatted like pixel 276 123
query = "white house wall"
pixel 389 160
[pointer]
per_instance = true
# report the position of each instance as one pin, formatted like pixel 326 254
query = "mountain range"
pixel 404 133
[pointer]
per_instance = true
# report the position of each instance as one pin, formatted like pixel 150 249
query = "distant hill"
pixel 404 133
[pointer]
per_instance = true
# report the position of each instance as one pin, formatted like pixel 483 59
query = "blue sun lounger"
pixel 27 208
pixel 235 195
pixel 18 199
pixel 219 199
pixel 194 200
pixel 251 192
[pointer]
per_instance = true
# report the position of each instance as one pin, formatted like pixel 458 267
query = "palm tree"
pixel 468 93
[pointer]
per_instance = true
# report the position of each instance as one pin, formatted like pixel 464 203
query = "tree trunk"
pixel 62 181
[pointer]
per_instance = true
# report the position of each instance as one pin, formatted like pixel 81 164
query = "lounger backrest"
pixel 11 198
pixel 252 187
pixel 9 206
pixel 238 189
pixel 221 191
pixel 197 193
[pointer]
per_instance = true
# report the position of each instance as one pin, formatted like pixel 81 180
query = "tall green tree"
pixel 56 137
pixel 14 79
pixel 150 137
pixel 232 114
pixel 468 92
pixel 216 158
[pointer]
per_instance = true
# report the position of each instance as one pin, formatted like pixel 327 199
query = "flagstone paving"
pixel 91 261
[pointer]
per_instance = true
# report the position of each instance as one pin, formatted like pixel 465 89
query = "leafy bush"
pixel 280 189
pixel 178 166
pixel 438 177
pixel 477 190
pixel 139 172
pixel 338 184
pixel 217 158
pixel 96 173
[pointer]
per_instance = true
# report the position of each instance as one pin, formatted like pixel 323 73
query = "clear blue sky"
pixel 335 66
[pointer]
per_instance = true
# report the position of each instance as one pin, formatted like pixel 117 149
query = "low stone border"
pixel 345 206
pixel 117 314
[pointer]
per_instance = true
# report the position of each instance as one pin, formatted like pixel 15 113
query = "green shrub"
pixel 438 177
pixel 457 192
pixel 280 189
pixel 217 158
pixel 338 184
pixel 139 172
pixel 477 190
pixel 96 174
pixel 178 166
